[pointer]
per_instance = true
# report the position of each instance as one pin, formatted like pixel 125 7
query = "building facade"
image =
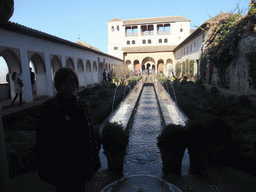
pixel 21 45
pixel 147 43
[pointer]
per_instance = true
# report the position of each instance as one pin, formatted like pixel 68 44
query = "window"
pixel 128 42
pixel 160 41
pixel 112 29
pixel 115 48
pixel 181 30
pixel 149 41
pixel 187 49
pixel 191 48
pixel 117 27
pixel 133 42
pixel 143 41
pixel 166 40
pixel 194 44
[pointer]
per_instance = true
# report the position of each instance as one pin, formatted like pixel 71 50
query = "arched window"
pixel 149 41
pixel 128 42
pixel 166 40
pixel 160 41
pixel 181 30
pixel 133 42
pixel 112 29
pixel 143 41
pixel 117 27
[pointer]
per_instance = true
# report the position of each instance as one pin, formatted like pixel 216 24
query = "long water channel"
pixel 143 155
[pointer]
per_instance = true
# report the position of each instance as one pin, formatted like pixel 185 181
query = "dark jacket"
pixel 66 148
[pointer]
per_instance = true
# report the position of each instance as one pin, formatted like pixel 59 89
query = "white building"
pixel 132 40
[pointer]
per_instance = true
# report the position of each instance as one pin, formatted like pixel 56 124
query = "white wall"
pixel 27 43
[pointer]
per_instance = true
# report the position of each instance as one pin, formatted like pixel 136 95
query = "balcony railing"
pixel 131 34
pixel 145 33
pixel 163 33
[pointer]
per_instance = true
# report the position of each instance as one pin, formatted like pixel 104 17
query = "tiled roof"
pixel 21 29
pixel 155 20
pixel 145 49
pixel 87 45
pixel 115 19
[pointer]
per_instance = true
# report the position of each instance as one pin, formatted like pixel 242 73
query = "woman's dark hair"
pixel 14 75
pixel 61 77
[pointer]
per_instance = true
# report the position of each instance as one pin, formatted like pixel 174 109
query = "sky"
pixel 87 19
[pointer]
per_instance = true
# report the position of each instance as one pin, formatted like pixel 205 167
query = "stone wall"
pixel 237 72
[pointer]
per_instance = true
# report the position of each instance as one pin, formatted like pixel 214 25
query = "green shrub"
pixel 243 100
pixel 112 85
pixel 214 90
pixel 103 94
pixel 114 137
pixel 172 137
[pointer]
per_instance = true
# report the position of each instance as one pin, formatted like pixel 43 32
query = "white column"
pixel 63 61
pixel 155 29
pixel 4 172
pixel 27 89
pixel 139 30
pixel 49 81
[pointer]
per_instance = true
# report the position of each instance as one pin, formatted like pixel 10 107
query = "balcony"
pixel 163 32
pixel 131 34
pixel 147 33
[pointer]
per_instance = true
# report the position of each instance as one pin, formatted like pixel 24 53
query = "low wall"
pixel 5 91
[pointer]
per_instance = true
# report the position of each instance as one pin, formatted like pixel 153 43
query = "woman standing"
pixel 17 87
pixel 66 147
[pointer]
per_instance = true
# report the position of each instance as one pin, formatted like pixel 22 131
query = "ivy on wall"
pixel 225 31
pixel 191 68
pixel 203 67
pixel 178 69
pixel 183 67
pixel 251 57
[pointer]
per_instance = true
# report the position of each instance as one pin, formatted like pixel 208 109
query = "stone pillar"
pixel 4 172
pixel 27 89
pixel 49 81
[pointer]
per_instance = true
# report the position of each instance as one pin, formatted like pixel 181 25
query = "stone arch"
pixel 106 66
pixel 88 66
pixel 39 87
pixel 70 63
pixel 101 67
pixel 80 66
pixel 12 60
pixel 160 65
pixel 94 66
pixel 55 64
pixel 136 65
pixel 147 63
pixel 169 67
pixel 128 63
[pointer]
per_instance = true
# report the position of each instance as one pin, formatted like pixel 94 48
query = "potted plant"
pixel 114 140
pixel 172 145
pixel 199 142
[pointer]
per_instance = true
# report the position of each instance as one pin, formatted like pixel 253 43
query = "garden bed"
pixel 20 128
pixel 238 111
